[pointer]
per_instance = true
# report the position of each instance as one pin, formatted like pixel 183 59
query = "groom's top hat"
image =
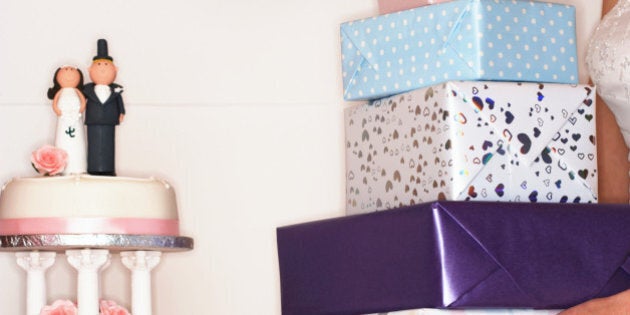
pixel 101 51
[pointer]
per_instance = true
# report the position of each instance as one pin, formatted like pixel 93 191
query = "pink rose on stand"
pixel 111 308
pixel 59 307
pixel 49 160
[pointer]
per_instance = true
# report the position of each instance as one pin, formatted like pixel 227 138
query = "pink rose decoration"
pixel 49 160
pixel 111 308
pixel 65 307
pixel 59 307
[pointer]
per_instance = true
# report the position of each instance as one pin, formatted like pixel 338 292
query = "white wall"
pixel 236 103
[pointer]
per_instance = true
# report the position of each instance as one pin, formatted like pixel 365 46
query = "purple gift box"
pixel 455 254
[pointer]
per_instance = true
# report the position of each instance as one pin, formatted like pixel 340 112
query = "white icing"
pixel 87 196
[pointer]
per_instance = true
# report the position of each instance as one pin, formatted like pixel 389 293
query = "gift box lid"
pixel 454 255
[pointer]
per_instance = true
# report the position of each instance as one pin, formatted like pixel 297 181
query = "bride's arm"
pixel 55 105
pixel 82 98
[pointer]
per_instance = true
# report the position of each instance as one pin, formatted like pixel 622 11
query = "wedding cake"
pixel 77 204
pixel 78 191
pixel 80 206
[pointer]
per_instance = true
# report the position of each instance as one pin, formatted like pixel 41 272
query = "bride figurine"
pixel 69 104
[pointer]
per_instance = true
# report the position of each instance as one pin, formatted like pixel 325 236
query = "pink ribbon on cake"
pixel 141 226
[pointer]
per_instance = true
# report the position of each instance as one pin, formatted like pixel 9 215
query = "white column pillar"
pixel 35 264
pixel 88 263
pixel 140 263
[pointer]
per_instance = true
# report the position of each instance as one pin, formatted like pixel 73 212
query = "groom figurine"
pixel 104 110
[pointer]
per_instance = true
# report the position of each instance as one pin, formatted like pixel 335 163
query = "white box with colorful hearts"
pixel 492 141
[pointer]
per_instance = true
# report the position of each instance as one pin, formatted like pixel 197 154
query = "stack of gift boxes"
pixel 470 103
pixel 484 138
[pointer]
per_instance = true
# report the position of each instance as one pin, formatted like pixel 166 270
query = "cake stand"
pixel 89 254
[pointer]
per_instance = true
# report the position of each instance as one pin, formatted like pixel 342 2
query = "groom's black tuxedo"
pixel 108 113
pixel 101 120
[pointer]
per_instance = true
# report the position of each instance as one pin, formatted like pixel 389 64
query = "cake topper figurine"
pixel 69 104
pixel 104 110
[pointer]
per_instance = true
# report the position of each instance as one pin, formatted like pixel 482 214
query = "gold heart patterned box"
pixel 464 140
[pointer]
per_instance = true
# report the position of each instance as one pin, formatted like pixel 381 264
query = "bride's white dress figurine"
pixel 69 105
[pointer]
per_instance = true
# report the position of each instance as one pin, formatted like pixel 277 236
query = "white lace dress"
pixel 608 59
pixel 70 134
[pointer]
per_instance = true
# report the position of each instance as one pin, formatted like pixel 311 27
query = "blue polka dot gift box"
pixel 493 40
pixel 472 140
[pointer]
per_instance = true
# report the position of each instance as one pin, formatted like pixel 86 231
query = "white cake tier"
pixel 88 204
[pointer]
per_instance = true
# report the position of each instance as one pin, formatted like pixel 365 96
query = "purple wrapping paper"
pixel 455 255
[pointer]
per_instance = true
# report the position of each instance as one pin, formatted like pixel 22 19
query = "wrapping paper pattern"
pixel 497 40
pixel 493 141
